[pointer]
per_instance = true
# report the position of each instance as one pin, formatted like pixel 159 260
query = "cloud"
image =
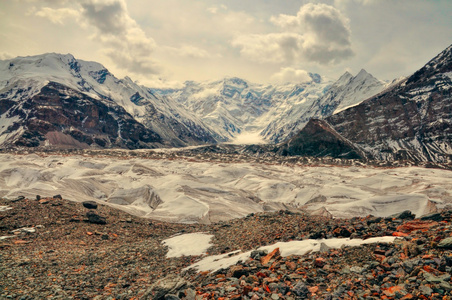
pixel 339 3
pixel 286 75
pixel 273 47
pixel 59 15
pixel 319 33
pixel 215 9
pixel 5 55
pixel 126 43
pixel 190 51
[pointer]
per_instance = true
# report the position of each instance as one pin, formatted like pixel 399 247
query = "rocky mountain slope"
pixel 347 91
pixel 68 98
pixel 412 120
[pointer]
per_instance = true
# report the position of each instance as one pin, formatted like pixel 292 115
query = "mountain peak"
pixel 442 59
pixel 363 75
pixel 235 81
pixel 344 79
pixel 442 63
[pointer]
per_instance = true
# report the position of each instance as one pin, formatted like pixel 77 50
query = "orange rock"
pixel 429 269
pixel 268 257
pixel 397 233
pixel 313 289
pixel 291 265
pixel 319 262
pixel 392 290
pixel 416 225
pixel 19 242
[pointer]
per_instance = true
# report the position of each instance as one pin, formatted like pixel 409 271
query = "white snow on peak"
pixel 94 80
pixel 234 107
pixel 347 91
pixel 344 79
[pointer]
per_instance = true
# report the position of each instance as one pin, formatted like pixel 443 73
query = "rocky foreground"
pixel 51 248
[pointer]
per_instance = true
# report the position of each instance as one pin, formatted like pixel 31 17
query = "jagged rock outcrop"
pixel 318 138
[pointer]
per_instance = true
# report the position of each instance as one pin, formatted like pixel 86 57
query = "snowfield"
pixel 187 191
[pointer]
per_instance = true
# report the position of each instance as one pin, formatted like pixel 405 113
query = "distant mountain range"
pixel 233 106
pixel 409 121
pixel 55 100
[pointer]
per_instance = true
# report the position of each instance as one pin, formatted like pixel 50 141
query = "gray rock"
pixel 257 254
pixel 19 198
pixel 57 197
pixel 324 248
pixel 190 294
pixel 425 290
pixel 436 279
pixel 301 290
pixel 404 215
pixel 170 285
pixel 89 204
pixel 95 218
pixel 356 269
pixel 445 285
pixel 171 297
pixel 445 243
pixel 433 216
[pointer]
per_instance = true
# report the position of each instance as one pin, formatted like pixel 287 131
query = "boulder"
pixel 166 288
pixel 89 204
pixel 95 218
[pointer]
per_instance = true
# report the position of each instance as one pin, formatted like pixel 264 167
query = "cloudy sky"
pixel 165 42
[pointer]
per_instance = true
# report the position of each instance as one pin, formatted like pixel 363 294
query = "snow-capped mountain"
pixel 411 120
pixel 51 75
pixel 233 106
pixel 347 91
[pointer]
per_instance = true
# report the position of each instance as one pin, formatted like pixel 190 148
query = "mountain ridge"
pixel 410 120
pixel 24 77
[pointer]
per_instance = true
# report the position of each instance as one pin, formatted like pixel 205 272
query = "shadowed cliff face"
pixel 410 121
pixel 62 117
pixel 318 138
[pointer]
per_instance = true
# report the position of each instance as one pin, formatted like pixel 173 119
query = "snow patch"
pixel 249 138
pixel 217 262
pixel 5 208
pixel 188 244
